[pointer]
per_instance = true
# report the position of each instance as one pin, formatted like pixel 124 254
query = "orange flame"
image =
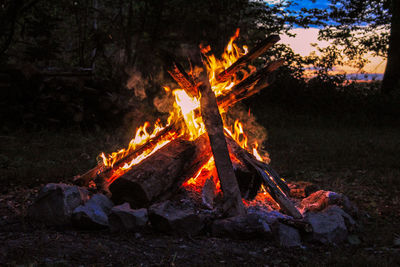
pixel 185 106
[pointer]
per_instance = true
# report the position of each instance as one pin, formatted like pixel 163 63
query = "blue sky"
pixel 310 4
pixel 301 43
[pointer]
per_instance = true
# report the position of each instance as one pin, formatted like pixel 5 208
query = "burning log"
pixel 233 204
pixel 254 53
pixel 162 172
pixel 179 74
pixel 251 85
pixel 104 172
pixel 269 180
pixel 141 186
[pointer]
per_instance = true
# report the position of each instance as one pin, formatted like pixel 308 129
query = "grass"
pixel 46 156
pixel 361 161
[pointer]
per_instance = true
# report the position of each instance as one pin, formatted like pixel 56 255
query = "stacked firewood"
pixel 163 173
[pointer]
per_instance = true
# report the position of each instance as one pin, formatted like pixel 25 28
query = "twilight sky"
pixel 301 43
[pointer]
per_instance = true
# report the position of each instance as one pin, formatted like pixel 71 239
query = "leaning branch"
pixel 254 53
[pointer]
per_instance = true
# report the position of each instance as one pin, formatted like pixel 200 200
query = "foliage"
pixel 356 29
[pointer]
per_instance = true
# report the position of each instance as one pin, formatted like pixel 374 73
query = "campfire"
pixel 197 152
pixel 196 141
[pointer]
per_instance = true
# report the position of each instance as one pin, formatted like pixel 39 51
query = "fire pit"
pixel 195 174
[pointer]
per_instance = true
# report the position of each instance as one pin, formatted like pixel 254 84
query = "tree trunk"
pixel 391 78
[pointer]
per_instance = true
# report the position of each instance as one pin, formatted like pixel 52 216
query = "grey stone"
pixel 348 220
pixel 171 217
pixel 287 236
pixel 123 218
pixel 242 227
pixel 56 202
pixel 94 213
pixel 328 226
pixel 208 193
pixel 269 217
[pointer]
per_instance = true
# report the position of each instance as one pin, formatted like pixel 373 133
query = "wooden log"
pixel 276 178
pixel 233 204
pixel 106 171
pixel 268 180
pixel 249 86
pixel 254 53
pixel 178 73
pixel 239 92
pixel 243 155
pixel 161 172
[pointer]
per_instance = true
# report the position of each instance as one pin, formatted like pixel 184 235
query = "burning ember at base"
pixel 194 170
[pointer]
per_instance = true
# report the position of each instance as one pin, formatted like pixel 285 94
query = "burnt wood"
pixel 269 181
pixel 163 172
pixel 254 53
pixel 249 86
pixel 233 204
pixel 178 73
pixel 239 92
pixel 106 171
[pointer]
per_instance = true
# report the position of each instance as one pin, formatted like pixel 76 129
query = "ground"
pixel 359 161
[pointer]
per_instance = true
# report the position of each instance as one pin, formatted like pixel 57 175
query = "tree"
pixel 359 27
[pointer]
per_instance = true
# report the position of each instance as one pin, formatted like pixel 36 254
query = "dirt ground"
pixel 361 163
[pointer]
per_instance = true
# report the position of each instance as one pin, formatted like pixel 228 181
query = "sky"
pixel 301 44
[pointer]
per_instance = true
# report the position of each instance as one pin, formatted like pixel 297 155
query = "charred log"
pixel 268 180
pixel 179 74
pixel 249 86
pixel 158 174
pixel 105 171
pixel 254 53
pixel 233 204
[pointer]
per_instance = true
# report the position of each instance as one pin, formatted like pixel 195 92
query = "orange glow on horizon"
pixel 301 44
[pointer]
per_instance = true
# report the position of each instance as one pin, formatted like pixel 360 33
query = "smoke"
pixel 164 102
pixel 256 133
pixel 138 84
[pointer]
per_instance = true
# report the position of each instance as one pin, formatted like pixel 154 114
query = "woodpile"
pixel 160 175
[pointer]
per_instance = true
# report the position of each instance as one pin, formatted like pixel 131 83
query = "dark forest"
pixel 79 78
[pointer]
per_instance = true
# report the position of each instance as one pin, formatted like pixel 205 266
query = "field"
pixel 358 160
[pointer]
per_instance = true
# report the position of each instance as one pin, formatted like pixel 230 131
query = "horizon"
pixel 301 44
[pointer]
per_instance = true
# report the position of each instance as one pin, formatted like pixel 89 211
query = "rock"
pixel 272 217
pixel 321 199
pixel 348 220
pixel 353 240
pixel 170 217
pixel 56 202
pixel 122 218
pixel 94 213
pixel 287 236
pixel 242 227
pixel 209 193
pixel 328 226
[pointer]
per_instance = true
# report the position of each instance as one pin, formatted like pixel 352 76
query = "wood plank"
pixel 233 204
